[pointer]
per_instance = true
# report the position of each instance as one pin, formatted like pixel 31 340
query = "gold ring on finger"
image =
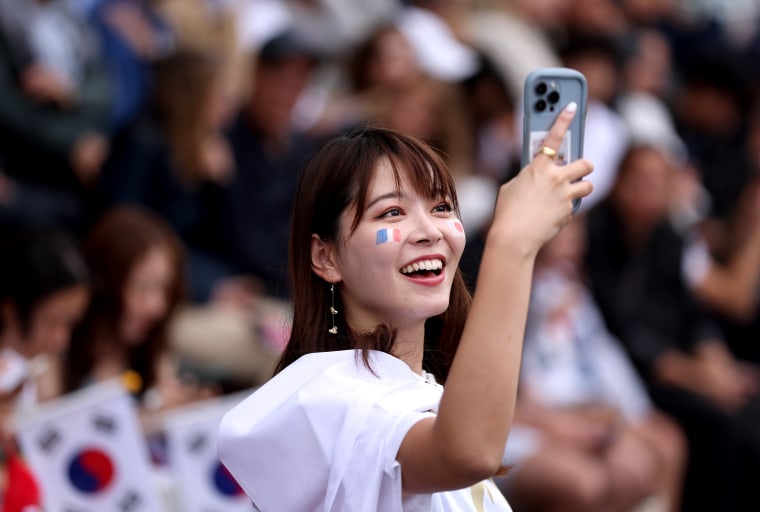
pixel 546 150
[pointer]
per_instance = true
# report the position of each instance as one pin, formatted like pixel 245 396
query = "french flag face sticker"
pixel 387 235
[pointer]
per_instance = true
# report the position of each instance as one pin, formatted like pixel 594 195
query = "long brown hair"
pixel 337 177
pixel 184 82
pixel 115 244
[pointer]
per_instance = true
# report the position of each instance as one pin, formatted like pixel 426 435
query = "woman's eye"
pixel 392 212
pixel 443 207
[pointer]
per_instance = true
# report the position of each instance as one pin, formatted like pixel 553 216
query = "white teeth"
pixel 422 265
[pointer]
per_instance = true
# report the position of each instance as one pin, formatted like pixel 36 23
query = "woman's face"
pixel 394 65
pixel 146 295
pixel 397 267
pixel 644 190
pixel 567 247
pixel 53 319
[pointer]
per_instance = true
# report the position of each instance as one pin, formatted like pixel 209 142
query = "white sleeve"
pixel 695 262
pixel 372 476
pixel 327 447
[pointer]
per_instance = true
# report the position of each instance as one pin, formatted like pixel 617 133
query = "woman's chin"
pixel 134 335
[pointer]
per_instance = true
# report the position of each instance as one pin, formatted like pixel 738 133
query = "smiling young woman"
pixel 355 417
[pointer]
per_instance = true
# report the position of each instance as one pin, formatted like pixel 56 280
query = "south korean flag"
pixel 203 484
pixel 88 452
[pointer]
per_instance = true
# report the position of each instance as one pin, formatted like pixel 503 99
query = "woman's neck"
pixel 410 346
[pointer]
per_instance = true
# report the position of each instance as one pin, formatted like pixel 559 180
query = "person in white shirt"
pixel 586 435
pixel 354 418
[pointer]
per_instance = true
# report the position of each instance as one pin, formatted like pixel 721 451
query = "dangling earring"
pixel 333 311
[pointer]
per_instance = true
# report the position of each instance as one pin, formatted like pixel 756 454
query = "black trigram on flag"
pixel 130 501
pixel 104 423
pixel 49 440
pixel 197 443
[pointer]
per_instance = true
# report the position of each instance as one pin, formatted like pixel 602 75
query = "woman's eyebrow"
pixel 389 195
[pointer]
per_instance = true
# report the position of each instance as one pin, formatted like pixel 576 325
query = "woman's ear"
pixel 323 259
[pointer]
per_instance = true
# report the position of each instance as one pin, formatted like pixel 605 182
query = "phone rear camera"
pixel 540 106
pixel 541 88
pixel 553 97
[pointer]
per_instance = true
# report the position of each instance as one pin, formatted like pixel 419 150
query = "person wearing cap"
pixel 268 150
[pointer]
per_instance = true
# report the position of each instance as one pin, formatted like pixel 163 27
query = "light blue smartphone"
pixel 546 92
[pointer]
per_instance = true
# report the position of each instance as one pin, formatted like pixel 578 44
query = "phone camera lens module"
pixel 540 106
pixel 541 88
pixel 553 97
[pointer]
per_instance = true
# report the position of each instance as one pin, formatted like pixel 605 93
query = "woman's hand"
pixel 723 379
pixel 538 202
pixel 589 432
pixel 44 85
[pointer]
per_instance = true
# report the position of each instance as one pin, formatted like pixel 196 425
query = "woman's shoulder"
pixel 325 379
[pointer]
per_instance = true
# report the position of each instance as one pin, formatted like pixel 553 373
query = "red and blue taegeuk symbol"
pixel 224 482
pixel 91 470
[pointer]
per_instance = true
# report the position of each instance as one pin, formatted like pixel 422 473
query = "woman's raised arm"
pixel 465 442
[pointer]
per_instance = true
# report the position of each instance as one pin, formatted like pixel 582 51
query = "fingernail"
pixel 571 107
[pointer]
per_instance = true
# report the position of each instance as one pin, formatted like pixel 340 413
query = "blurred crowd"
pixel 148 159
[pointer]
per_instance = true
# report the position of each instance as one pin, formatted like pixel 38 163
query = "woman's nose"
pixel 426 230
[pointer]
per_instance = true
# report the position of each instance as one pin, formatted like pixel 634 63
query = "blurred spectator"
pixel 435 40
pixel 650 13
pixel 137 269
pixel 603 17
pixel 491 110
pixel 732 287
pixel 268 153
pixel 647 83
pixel 725 274
pixel 714 111
pixel 727 245
pixel 742 227
pixel 643 102
pixel 520 36
pixel 43 293
pixel 391 87
pixel 606 138
pixel 175 160
pixel 736 21
pixel 53 110
pixel 210 27
pixel 711 107
pixel 588 436
pixel 332 26
pixel 132 34
pixel 640 271
pixel 53 48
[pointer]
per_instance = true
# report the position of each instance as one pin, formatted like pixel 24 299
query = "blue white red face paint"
pixel 387 235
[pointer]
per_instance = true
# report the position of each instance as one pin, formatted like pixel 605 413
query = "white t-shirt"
pixel 323 435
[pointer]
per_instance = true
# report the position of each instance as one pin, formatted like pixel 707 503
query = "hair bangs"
pixel 423 168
